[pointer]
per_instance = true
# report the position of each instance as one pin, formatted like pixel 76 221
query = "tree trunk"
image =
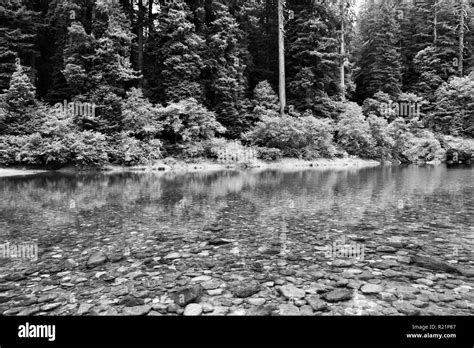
pixel 281 57
pixel 140 39
pixel 435 24
pixel 461 38
pixel 343 53
pixel 150 16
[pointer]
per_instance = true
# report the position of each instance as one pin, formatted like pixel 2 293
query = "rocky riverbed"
pixel 205 276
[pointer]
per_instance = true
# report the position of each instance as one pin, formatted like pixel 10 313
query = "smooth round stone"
pixel 288 309
pixel 137 310
pixel 173 256
pixel 371 289
pixel 419 304
pixel 96 259
pixel 237 301
pixel 220 310
pixel 300 303
pixel 211 284
pixel 406 308
pixel 292 292
pixel 316 303
pixel 207 307
pixel 426 282
pixel 193 309
pixel 306 310
pixel 239 312
pixel 256 301
pixel 215 292
pixel 387 296
pixel 338 295
pixel 386 249
pixel 202 278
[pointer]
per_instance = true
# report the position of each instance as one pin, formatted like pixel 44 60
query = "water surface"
pixel 265 215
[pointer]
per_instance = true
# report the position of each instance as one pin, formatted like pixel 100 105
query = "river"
pixel 316 241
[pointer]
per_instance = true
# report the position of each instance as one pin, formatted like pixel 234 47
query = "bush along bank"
pixel 137 132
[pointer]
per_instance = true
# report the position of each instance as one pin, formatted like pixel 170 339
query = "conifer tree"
pixel 227 85
pixel 18 37
pixel 379 59
pixel 18 103
pixel 178 50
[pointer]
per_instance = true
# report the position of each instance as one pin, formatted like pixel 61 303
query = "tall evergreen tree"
pixel 19 28
pixel 18 104
pixel 97 65
pixel 314 57
pixel 177 53
pixel 226 89
pixel 437 62
pixel 379 67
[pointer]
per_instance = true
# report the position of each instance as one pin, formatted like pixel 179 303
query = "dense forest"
pixel 134 81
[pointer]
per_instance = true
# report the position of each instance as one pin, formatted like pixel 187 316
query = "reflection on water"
pixel 76 212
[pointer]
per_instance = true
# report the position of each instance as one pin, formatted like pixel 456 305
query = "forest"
pixel 129 82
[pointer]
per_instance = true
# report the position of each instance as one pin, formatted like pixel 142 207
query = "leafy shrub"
pixel 382 141
pixel 319 135
pixel 293 134
pixel 354 131
pixel 454 109
pixel 425 148
pixel 463 147
pixel 140 117
pixel 194 150
pixel 128 150
pixel 88 148
pixel 375 105
pixel 269 153
pixel 34 150
pixel 9 147
pixel 187 121
pixel 31 150
pixel 216 145
pixel 399 131
pixel 265 102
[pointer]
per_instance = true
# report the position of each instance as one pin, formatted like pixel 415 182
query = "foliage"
pixel 168 81
pixel 269 153
pixel 295 136
pixel 463 148
pixel 20 112
pixel 382 141
pixel 425 147
pixel 128 150
pixel 88 148
pixel 454 109
pixel 139 116
pixel 353 131
pixel 375 105
pixel 224 66
pixel 19 27
pixel 176 50
pixel 378 53
pixel 188 121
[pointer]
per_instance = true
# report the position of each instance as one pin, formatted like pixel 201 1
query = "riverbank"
pixel 173 165
pixel 18 172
